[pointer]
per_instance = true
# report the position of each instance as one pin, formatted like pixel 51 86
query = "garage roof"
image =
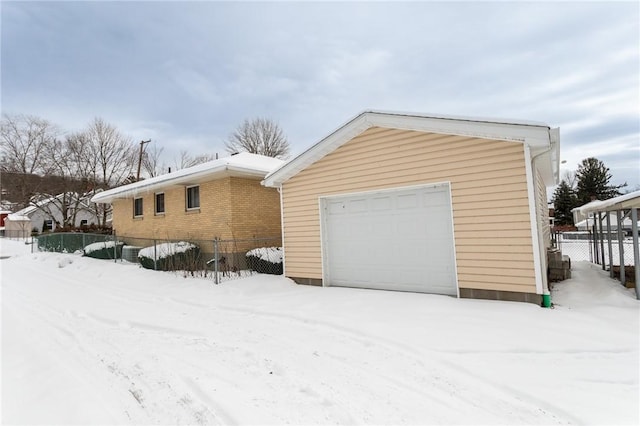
pixel 543 141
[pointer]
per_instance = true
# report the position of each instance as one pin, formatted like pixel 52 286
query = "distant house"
pixel 587 223
pixel 219 199
pixel 424 203
pixel 46 215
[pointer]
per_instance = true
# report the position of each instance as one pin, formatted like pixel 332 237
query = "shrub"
pixel 266 260
pixel 171 257
pixel 104 250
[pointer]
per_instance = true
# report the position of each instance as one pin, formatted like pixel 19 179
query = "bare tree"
pixel 111 156
pixel 569 176
pixel 25 142
pixel 115 155
pixel 151 161
pixel 187 160
pixel 259 136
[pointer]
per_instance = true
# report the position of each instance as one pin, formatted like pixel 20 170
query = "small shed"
pixel 423 203
pixel 17 226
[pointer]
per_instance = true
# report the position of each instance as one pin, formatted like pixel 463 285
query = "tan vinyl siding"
pixel 489 194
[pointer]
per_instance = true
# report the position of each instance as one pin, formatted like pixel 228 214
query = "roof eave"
pixel 192 179
pixel 535 135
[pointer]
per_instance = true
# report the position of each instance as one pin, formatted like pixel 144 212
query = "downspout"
pixel 546 294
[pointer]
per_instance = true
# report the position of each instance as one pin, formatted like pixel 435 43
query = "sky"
pixel 186 74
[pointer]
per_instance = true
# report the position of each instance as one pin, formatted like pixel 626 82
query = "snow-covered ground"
pixel 86 341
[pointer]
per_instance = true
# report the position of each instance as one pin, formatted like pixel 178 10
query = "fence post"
pixel 215 260
pixel 61 242
pixel 115 248
pixel 155 255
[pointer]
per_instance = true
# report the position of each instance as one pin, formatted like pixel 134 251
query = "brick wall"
pixel 256 209
pixel 230 208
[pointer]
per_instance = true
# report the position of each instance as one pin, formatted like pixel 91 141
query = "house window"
pixel 137 207
pixel 160 203
pixel 83 223
pixel 47 225
pixel 193 197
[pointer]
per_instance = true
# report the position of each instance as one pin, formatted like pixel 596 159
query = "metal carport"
pixel 626 205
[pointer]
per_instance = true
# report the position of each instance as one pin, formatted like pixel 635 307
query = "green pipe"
pixel 546 300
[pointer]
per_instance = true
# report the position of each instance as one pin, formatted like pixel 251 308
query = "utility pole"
pixel 142 144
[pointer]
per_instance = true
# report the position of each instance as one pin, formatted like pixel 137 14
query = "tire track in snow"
pixel 535 405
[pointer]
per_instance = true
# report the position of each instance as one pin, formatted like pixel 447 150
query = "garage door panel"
pixel 396 239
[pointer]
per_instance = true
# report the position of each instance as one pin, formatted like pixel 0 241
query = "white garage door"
pixel 400 239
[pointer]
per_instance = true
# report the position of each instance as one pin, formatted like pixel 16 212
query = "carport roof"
pixel 621 202
pixel 543 141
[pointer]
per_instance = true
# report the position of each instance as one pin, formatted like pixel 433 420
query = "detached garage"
pixel 422 203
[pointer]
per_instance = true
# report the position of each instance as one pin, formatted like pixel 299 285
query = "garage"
pixel 375 204
pixel 393 239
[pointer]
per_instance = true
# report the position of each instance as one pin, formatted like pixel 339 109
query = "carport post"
pixel 609 244
pixel 604 263
pixel 636 249
pixel 621 247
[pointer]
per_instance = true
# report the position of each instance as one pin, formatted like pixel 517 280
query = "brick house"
pixel 219 199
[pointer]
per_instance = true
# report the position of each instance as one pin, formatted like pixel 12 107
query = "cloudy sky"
pixel 185 74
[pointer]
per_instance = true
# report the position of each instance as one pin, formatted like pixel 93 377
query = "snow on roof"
pixel 18 217
pixel 620 202
pixel 243 164
pixel 538 136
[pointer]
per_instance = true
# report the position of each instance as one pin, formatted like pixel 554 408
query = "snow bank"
pixel 269 254
pixel 99 246
pixel 88 342
pixel 164 250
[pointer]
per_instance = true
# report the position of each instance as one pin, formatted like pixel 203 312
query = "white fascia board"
pixel 317 151
pixel 535 135
pixel 541 284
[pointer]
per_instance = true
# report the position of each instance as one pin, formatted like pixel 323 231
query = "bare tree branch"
pixel 151 161
pixel 185 159
pixel 259 136
pixel 25 143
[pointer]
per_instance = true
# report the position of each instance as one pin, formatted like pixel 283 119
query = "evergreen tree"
pixel 564 200
pixel 593 181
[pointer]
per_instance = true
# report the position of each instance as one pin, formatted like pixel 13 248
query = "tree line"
pixel 591 181
pixel 40 162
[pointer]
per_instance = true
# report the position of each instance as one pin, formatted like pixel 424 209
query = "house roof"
pixel 543 141
pixel 242 165
pixel 620 202
pixel 18 218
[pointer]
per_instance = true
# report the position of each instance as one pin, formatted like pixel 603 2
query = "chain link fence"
pixel 220 260
pixel 594 247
